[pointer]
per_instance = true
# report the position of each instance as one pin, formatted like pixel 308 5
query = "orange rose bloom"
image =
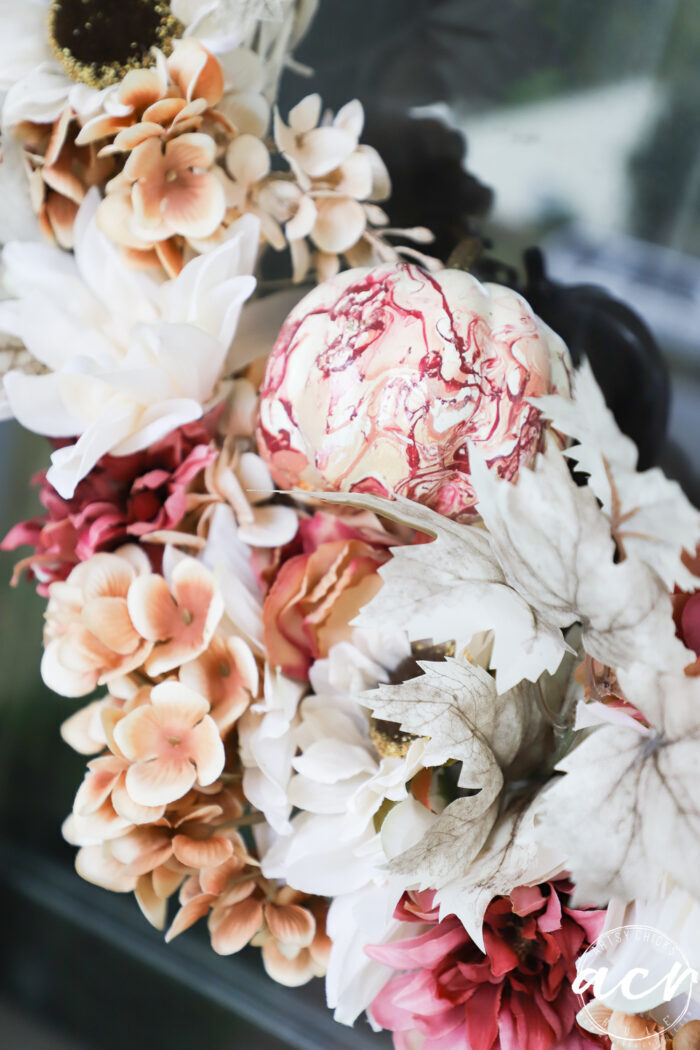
pixel 314 599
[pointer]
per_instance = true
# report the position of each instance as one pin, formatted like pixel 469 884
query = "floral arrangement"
pixel 390 651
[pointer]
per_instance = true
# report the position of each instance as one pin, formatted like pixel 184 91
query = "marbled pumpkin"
pixel 381 377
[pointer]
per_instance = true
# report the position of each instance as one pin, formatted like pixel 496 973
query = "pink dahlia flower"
pixel 121 497
pixel 517 996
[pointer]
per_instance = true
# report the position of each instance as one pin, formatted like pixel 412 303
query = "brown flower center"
pixel 98 41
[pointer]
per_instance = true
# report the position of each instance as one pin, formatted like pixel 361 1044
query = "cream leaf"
pixel 652 519
pixel 554 545
pixel 511 857
pixel 455 588
pixel 627 810
pixel 456 705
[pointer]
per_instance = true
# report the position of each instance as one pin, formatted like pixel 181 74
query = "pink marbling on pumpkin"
pixel 381 376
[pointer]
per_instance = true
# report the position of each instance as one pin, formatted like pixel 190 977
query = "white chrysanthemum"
pixel 340 781
pixel 127 360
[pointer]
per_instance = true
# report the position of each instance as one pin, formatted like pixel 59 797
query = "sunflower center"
pixel 98 41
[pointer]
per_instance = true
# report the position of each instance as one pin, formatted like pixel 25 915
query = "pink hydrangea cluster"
pixel 123 497
pixel 517 995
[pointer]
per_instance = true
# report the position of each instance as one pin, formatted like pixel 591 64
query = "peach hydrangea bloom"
pixel 625 1031
pixel 89 636
pixel 172 743
pixel 152 860
pixel 226 673
pixel 180 619
pixel 245 908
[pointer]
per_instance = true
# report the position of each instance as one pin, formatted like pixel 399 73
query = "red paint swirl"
pixel 380 377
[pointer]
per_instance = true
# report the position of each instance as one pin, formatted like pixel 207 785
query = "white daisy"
pixel 341 781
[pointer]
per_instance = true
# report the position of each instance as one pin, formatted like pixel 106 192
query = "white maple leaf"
pixel 455 588
pixel 652 519
pixel 512 856
pixel 555 548
pixel 468 854
pixel 456 706
pixel 627 810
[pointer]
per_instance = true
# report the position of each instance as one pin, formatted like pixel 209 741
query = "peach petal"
pixel 125 806
pixel 196 205
pixel 152 608
pixel 152 906
pixel 207 751
pixel 204 853
pixel 238 892
pixel 290 924
pixel 115 217
pixel 95 864
pixel 108 619
pixel 190 113
pixel 100 127
pixel 61 213
pixel 170 257
pixel 101 826
pixel 290 972
pixel 131 137
pixel 159 781
pixel 166 881
pixel 125 665
pixel 138 735
pixel 339 225
pixel 60 177
pixel 64 680
pixel 191 150
pixel 189 914
pixel 57 138
pixel 206 814
pixel 144 159
pixel 108 576
pixel 142 842
pixel 214 880
pixel 232 929
pixel 79 731
pixel 196 72
pixel 97 785
pixel 163 111
pixel 178 706
pixel 140 88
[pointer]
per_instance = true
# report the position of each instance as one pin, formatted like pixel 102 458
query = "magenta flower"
pixel 517 996
pixel 122 497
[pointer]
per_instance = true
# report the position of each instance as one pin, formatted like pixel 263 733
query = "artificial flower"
pixel 153 859
pixel 179 617
pixel 60 173
pixel 89 636
pixel 244 908
pixel 341 781
pixel 314 598
pixel 132 360
pixel 241 479
pixel 267 746
pixel 172 743
pixel 122 497
pixel 226 673
pixel 515 995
